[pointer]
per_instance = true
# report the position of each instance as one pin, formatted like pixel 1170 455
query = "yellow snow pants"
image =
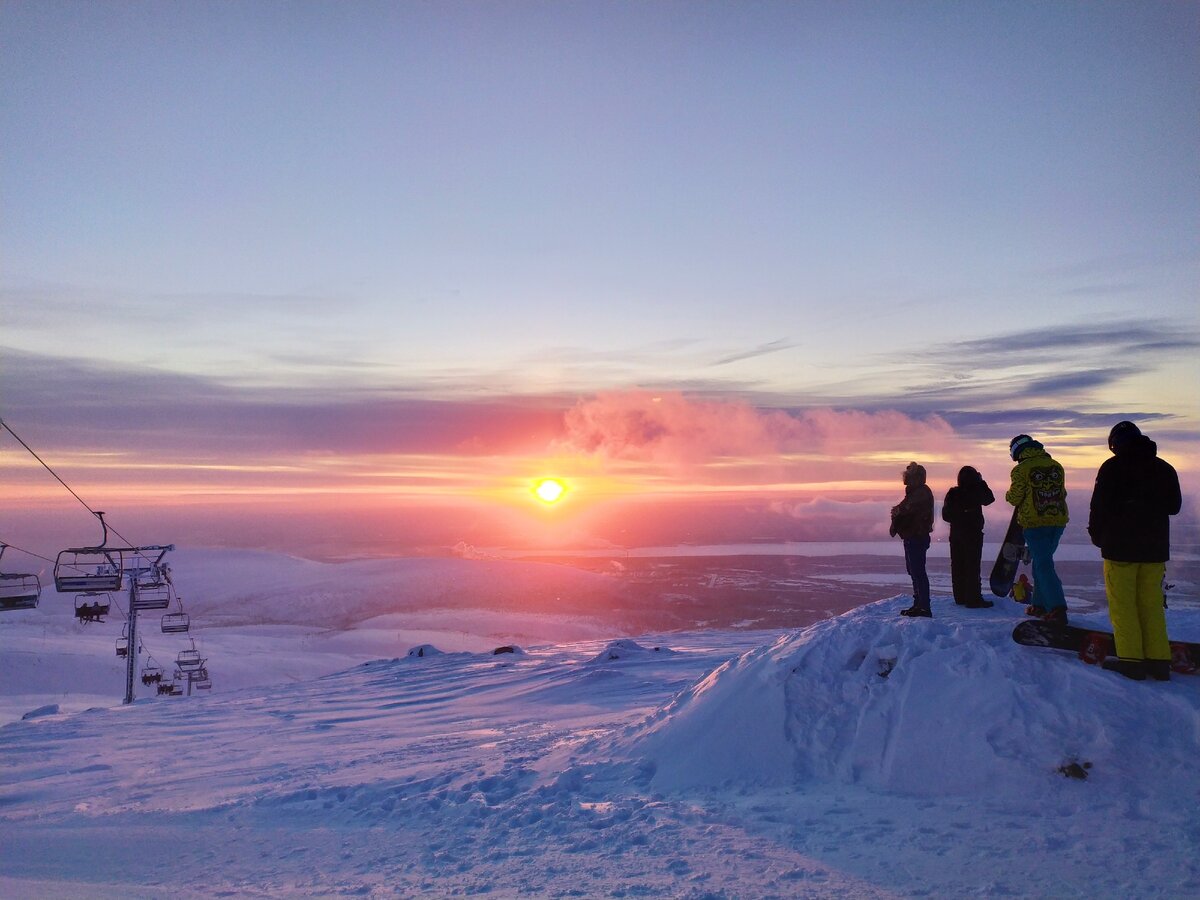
pixel 1135 607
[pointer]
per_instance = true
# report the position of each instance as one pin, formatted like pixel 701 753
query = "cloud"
pixel 101 407
pixel 760 350
pixel 1111 338
pixel 673 428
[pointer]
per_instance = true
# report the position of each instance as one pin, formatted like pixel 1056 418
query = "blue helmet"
pixel 1017 444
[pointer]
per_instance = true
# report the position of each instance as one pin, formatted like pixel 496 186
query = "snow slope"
pixel 723 764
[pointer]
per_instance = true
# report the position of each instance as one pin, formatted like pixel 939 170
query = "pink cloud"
pixel 671 428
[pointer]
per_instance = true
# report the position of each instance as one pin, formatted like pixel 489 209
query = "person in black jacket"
pixel 912 520
pixel 1136 493
pixel 963 509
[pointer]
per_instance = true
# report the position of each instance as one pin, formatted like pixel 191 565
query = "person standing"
pixel 963 510
pixel 912 521
pixel 1136 493
pixel 1038 491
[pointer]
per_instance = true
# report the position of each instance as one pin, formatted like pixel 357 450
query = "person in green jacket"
pixel 1038 491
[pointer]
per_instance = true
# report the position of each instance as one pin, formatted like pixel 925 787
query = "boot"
pixel 1130 668
pixel 1057 616
pixel 979 604
pixel 919 612
pixel 1159 669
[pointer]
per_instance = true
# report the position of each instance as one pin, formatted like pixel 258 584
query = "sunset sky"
pixel 322 275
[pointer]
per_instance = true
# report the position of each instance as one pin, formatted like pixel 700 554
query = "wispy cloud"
pixel 1125 338
pixel 753 353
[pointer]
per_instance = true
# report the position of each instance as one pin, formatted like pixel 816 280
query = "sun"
pixel 549 490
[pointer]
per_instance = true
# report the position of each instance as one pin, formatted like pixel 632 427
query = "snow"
pixel 867 755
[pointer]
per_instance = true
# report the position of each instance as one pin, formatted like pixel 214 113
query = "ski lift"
pixel 152 673
pixel 189 660
pixel 176 622
pixel 150 594
pixel 89 569
pixel 201 681
pixel 170 688
pixel 92 607
pixel 123 647
pixel 18 591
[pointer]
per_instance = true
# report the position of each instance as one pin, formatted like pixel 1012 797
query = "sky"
pixel 316 275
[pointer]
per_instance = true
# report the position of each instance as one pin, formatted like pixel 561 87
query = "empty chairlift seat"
pixel 19 591
pixel 88 569
pixel 151 595
pixel 175 623
pixel 189 660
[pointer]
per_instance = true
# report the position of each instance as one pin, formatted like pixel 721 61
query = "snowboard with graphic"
pixel 1093 646
pixel 1012 554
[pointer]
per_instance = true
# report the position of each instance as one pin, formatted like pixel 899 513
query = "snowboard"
pixel 1093 646
pixel 1012 554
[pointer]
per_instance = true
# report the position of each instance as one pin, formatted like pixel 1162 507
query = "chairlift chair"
pixel 89 569
pixel 151 595
pixel 18 591
pixel 176 623
pixel 92 607
pixel 189 660
pixel 123 647
pixel 170 688
pixel 152 674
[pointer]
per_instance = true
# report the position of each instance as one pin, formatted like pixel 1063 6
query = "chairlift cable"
pixel 27 552
pixel 46 466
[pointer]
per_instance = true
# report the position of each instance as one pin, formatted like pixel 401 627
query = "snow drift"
pixel 923 707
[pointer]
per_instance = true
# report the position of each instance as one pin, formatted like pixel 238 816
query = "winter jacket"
pixel 912 517
pixel 1136 493
pixel 1038 489
pixel 963 506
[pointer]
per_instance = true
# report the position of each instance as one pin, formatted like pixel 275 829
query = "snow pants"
pixel 1047 586
pixel 914 563
pixel 965 552
pixel 1135 608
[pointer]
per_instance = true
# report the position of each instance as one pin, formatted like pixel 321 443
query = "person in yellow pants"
pixel 1136 493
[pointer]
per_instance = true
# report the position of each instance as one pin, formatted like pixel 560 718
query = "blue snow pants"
pixel 914 562
pixel 1047 586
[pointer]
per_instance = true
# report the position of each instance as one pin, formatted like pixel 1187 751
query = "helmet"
pixel 1017 444
pixel 1122 433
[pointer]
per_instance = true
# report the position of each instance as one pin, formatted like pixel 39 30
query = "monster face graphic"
pixel 1049 498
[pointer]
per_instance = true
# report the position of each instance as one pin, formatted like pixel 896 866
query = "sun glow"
pixel 549 490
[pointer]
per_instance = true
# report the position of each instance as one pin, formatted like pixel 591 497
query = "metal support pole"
pixel 131 659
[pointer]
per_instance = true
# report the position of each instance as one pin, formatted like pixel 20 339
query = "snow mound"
pixel 425 650
pixel 948 706
pixel 42 711
pixel 626 649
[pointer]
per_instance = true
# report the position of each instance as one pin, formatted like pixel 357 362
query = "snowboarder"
pixel 1136 493
pixel 912 521
pixel 1038 491
pixel 963 509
